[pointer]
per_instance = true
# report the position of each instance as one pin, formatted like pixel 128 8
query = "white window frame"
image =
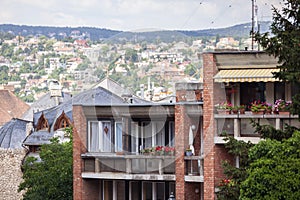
pixel 101 143
pixel 171 133
pixel 117 139
pixel 135 136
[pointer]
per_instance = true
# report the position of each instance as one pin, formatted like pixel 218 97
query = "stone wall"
pixel 11 174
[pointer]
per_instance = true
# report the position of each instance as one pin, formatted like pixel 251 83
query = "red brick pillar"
pixel 79 147
pixel 180 145
pixel 186 93
pixel 209 70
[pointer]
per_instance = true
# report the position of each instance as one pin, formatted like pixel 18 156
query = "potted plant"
pixel 169 151
pixel 235 109
pixel 242 109
pixel 188 152
pixel 257 107
pixel 224 107
pixel 268 108
pixel 282 107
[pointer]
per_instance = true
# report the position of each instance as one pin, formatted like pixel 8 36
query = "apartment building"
pixel 133 149
pixel 130 149
pixel 238 78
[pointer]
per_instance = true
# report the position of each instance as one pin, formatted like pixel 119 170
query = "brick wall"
pixel 220 156
pixel 184 190
pixel 11 174
pixel 79 147
pixel 213 93
pixel 208 125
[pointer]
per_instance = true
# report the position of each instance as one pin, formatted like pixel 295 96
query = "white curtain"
pixel 94 137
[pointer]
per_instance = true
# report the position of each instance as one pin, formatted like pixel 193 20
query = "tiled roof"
pixel 97 96
pixel 38 138
pixel 44 103
pixel 13 133
pixel 11 106
pixel 53 113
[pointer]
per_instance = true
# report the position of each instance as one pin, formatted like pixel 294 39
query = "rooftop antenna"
pixel 254 21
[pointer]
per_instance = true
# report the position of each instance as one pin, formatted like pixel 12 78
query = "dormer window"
pixel 42 123
pixel 62 122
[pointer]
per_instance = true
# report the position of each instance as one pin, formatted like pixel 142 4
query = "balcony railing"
pixel 239 126
pixel 129 164
pixel 194 168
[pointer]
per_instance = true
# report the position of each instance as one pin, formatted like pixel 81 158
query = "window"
pixel 252 91
pixel 135 137
pixel 279 90
pixel 171 134
pixel 118 137
pixel 153 134
pixel 148 134
pixel 42 123
pixel 99 137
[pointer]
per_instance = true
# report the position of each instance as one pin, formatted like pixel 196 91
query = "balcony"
pixel 129 167
pixel 239 126
pixel 193 169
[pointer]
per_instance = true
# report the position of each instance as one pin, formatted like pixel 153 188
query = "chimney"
pixel 55 90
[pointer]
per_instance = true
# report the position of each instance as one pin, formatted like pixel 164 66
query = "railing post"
pixel 97 165
pixel 236 127
pixel 277 123
pixel 160 166
pixel 200 167
pixel 128 165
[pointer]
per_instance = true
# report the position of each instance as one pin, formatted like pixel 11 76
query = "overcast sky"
pixel 132 15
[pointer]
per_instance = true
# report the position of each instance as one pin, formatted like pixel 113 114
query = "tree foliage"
pixel 272 167
pixel 229 188
pixel 284 43
pixel 274 171
pixel 284 40
pixel 52 177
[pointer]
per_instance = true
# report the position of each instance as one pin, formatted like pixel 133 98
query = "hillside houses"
pixel 47 57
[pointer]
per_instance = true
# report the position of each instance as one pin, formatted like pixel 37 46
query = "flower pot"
pixel 188 153
pixel 284 112
pixel 258 112
pixel 234 112
pixel 223 111
pixel 242 111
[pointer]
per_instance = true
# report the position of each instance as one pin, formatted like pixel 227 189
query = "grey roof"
pixel 38 138
pixel 13 133
pixel 45 102
pixel 53 113
pixel 98 96
pixel 113 86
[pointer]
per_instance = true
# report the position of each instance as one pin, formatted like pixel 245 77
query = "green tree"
pixel 229 187
pixel 283 43
pixel 274 170
pixel 52 177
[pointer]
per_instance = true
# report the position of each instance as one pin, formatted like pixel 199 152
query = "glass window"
pixel 171 134
pixel 147 134
pixel 108 190
pixel 93 139
pixel 252 91
pixel 135 138
pixel 134 190
pixel 279 90
pixel 147 191
pixel 99 138
pixel 160 191
pixel 118 137
pixel 120 190
pixel 159 132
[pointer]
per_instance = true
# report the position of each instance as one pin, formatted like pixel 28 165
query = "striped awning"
pixel 245 75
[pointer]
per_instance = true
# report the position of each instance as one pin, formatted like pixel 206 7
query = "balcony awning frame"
pixel 246 75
